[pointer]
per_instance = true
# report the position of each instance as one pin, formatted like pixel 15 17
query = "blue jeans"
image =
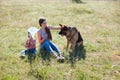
pixel 30 52
pixel 49 46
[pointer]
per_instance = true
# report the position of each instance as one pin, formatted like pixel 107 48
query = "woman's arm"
pixel 54 28
pixel 40 40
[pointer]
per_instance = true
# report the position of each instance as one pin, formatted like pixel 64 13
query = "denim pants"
pixel 30 52
pixel 50 47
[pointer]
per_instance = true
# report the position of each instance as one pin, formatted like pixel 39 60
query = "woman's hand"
pixel 44 38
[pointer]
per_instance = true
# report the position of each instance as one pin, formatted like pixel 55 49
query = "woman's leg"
pixel 54 47
pixel 47 46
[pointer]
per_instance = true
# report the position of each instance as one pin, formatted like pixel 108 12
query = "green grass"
pixel 98 22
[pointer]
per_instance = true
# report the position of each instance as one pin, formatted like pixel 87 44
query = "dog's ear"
pixel 60 25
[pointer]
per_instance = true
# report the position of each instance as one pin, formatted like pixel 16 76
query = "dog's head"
pixel 64 30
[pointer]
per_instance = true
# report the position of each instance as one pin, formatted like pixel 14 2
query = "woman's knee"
pixel 44 44
pixel 52 44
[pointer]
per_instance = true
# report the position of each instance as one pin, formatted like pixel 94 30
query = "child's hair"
pixel 29 34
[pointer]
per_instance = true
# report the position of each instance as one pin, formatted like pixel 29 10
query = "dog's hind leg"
pixel 80 43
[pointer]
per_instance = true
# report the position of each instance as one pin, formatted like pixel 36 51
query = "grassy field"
pixel 98 22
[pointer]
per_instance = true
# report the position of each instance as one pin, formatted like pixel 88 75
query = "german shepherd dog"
pixel 72 35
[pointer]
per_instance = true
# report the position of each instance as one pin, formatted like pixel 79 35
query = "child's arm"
pixel 27 44
pixel 32 42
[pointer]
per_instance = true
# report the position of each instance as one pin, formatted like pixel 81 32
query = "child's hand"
pixel 27 43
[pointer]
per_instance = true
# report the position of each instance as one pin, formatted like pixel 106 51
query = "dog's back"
pixel 79 37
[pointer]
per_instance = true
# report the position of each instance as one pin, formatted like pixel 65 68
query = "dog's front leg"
pixel 73 46
pixel 67 45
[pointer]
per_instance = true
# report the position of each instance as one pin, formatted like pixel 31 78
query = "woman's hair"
pixel 41 20
pixel 48 33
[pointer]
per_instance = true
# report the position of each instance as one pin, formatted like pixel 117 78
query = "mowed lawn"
pixel 98 22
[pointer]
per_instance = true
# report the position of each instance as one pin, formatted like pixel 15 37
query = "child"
pixel 31 47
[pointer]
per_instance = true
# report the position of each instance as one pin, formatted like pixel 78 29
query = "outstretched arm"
pixel 54 27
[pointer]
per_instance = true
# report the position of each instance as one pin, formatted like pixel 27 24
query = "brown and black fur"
pixel 73 36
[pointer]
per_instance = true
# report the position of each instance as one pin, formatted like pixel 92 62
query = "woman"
pixel 45 38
